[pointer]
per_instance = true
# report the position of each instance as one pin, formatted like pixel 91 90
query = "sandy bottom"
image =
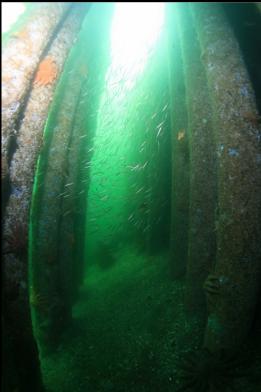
pixel 129 331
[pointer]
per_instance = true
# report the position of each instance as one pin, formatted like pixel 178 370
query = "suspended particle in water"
pixel 139 190
pixel 131 217
pixel 165 108
pixel 181 134
pixel 159 131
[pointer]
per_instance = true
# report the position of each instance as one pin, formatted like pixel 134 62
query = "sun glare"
pixel 135 29
pixel 10 14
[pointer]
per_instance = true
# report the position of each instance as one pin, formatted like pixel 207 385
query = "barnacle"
pixel 181 134
pixel 252 117
pixel 211 287
pixel 16 240
pixel 21 34
pixel 4 168
pixel 212 284
pixel 46 73
pixel 203 371
pixel 38 300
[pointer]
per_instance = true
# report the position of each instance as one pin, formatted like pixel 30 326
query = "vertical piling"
pixel 237 134
pixel 201 247
pixel 179 150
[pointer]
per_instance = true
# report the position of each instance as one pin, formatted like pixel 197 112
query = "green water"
pixel 106 314
pixel 114 202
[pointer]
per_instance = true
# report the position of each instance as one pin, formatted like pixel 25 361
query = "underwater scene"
pixel 131 197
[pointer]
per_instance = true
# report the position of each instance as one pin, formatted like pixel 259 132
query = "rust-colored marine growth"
pixel 253 118
pixel 46 73
pixel 22 34
pixel 4 168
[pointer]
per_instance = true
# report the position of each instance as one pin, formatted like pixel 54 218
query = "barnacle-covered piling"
pixel 179 151
pixel 20 57
pixel 30 138
pixel 202 188
pixel 239 188
pixel 44 271
pixel 56 210
pixel 56 30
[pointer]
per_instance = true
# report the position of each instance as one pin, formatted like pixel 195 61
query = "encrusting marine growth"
pixel 46 73
pixel 203 371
